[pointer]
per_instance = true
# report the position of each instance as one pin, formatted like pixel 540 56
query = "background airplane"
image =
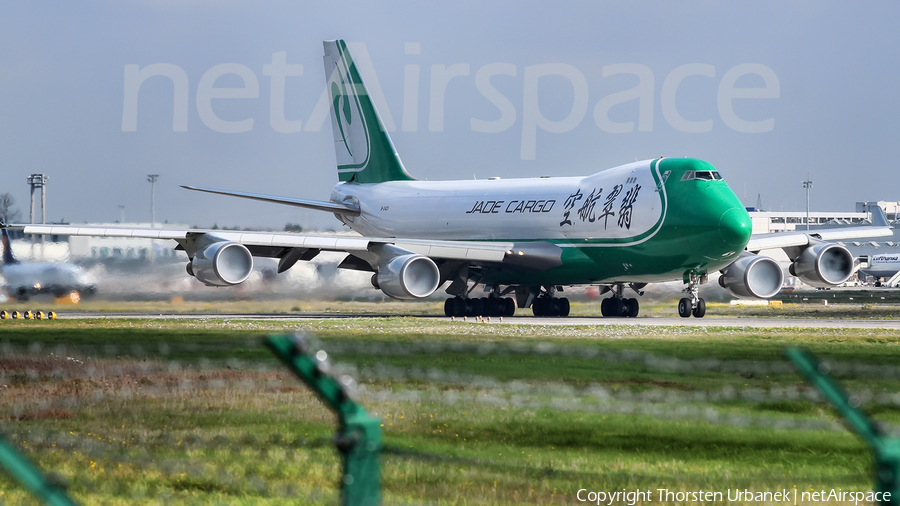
pixel 882 267
pixel 645 222
pixel 24 280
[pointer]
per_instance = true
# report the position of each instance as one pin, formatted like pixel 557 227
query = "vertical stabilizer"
pixel 8 258
pixel 365 153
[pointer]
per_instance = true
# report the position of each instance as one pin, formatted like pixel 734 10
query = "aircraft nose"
pixel 735 227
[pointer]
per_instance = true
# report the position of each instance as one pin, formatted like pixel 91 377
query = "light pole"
pixel 121 213
pixel 807 184
pixel 152 179
pixel 38 182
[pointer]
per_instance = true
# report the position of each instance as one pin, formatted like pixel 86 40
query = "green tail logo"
pixel 338 97
pixel 364 151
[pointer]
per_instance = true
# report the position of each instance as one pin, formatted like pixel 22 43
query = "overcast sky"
pixel 824 76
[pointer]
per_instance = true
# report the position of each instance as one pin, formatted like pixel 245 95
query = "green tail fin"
pixel 365 153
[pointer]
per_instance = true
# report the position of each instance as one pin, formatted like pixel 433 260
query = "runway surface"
pixel 524 320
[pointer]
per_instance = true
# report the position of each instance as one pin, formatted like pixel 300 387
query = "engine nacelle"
pixel 222 264
pixel 823 264
pixel 752 276
pixel 408 277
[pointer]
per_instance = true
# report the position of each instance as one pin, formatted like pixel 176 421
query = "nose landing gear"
pixel 693 304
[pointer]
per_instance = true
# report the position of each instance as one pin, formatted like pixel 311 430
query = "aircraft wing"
pixel 318 205
pixel 879 228
pixel 294 246
pixel 802 238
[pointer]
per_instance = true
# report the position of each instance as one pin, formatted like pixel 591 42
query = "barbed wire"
pixel 649 361
pixel 657 402
pixel 56 368
pixel 502 400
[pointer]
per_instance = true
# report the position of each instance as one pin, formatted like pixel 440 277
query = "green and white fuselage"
pixel 640 222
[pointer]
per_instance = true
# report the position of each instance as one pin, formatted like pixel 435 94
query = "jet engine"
pixel 823 264
pixel 753 276
pixel 408 277
pixel 222 264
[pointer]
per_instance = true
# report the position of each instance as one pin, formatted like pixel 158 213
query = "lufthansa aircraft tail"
pixel 365 153
pixel 8 258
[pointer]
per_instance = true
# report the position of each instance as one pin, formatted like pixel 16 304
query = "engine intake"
pixel 823 264
pixel 222 264
pixel 408 277
pixel 752 276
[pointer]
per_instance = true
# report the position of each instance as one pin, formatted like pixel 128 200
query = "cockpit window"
pixel 703 175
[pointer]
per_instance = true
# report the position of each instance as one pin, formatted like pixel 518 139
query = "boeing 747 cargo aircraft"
pixel 520 240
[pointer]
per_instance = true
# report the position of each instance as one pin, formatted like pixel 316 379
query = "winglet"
pixel 878 217
pixel 8 258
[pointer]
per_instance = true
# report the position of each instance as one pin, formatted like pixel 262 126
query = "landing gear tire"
pixel 632 307
pixel 490 306
pixel 509 307
pixel 547 306
pixel 477 307
pixel 618 307
pixel 684 307
pixel 564 307
pixel 485 306
pixel 612 307
pixel 459 307
pixel 700 310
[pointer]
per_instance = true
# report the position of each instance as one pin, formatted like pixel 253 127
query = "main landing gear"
pixel 484 306
pixel 693 304
pixel 550 306
pixel 618 305
pixel 546 304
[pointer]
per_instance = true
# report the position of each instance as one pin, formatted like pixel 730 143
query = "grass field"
pixel 138 411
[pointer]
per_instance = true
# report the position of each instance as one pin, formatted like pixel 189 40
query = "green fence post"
pixel 886 449
pixel 28 475
pixel 358 438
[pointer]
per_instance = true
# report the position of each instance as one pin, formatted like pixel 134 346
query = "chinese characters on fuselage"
pixel 586 211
